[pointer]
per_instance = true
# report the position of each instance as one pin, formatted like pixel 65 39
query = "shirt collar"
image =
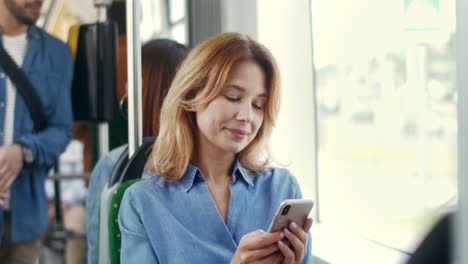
pixel 193 174
pixel 189 177
pixel 33 32
pixel 239 171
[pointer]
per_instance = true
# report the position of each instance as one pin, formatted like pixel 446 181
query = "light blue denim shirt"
pixel 178 222
pixel 99 178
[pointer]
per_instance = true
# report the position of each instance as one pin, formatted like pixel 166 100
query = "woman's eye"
pixel 232 98
pixel 258 106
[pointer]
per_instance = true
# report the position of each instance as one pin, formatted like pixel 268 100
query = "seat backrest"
pixel 104 205
pixel 104 208
pixel 113 221
pixel 119 167
pixel 126 172
pixel 136 165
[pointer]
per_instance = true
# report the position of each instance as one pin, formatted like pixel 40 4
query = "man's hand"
pixel 11 163
pixel 3 197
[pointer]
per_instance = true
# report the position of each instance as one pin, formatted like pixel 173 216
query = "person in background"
pixel 160 60
pixel 208 194
pixel 26 155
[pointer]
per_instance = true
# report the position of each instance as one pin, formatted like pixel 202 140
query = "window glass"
pixel 152 13
pixel 387 115
pixel 179 33
pixel 177 10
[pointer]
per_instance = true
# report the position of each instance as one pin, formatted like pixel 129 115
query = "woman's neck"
pixel 215 166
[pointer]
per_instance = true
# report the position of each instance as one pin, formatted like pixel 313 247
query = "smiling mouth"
pixel 237 134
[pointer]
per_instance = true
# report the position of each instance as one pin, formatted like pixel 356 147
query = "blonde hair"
pixel 200 78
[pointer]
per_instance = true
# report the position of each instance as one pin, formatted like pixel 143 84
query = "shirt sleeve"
pixel 49 143
pixel 136 246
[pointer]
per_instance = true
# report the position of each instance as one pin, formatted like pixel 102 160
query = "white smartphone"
pixel 296 210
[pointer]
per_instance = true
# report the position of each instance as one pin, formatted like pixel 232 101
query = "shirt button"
pixel 2 75
pixel 2 104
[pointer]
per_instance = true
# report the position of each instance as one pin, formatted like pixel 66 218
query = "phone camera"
pixel 285 210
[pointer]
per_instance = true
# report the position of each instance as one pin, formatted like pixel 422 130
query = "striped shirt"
pixel 16 47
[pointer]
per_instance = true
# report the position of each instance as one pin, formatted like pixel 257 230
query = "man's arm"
pixel 49 143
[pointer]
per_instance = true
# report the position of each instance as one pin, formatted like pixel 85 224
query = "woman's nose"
pixel 245 113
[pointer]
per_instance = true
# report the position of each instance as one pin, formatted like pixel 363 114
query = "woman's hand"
pixel 297 236
pixel 258 247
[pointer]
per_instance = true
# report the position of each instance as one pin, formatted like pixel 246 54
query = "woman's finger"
pixel 287 253
pixel 263 240
pixel 261 253
pixel 296 243
pixel 272 259
pixel 298 231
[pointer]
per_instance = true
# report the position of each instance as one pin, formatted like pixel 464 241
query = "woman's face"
pixel 231 121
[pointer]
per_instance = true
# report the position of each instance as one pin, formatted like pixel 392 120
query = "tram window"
pixel 152 18
pixel 164 19
pixel 387 115
pixel 179 33
pixel 177 10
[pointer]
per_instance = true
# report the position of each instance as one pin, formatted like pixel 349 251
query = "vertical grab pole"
pixel 103 128
pixel 460 240
pixel 135 127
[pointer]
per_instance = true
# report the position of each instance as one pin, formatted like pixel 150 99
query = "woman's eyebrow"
pixel 235 86
pixel 242 89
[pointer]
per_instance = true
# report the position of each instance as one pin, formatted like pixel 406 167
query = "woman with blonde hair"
pixel 212 193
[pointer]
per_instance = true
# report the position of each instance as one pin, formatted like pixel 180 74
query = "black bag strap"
pixel 25 88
